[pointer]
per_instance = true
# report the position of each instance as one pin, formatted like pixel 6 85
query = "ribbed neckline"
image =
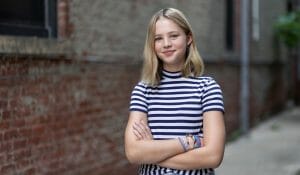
pixel 168 74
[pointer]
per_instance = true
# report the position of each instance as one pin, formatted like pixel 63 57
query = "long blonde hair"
pixel 152 66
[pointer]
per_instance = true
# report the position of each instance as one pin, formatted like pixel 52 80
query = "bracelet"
pixel 187 139
pixel 184 144
pixel 197 141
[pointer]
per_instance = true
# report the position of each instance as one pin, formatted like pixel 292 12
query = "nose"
pixel 167 43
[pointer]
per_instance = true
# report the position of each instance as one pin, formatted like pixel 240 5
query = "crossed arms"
pixel 140 148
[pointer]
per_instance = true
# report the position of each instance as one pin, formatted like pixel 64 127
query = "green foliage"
pixel 287 29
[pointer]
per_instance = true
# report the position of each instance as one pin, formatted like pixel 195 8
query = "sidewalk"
pixel 272 148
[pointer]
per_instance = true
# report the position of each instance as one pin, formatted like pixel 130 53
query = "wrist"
pixel 190 141
pixel 183 143
pixel 197 141
pixel 186 142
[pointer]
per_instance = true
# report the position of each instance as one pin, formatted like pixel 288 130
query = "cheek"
pixel 183 44
pixel 182 48
pixel 156 47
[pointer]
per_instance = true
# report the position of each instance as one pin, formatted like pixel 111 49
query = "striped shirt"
pixel 175 108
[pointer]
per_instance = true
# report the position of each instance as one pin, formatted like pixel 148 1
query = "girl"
pixel 176 123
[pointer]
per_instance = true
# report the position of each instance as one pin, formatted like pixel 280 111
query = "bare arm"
pixel 145 149
pixel 209 156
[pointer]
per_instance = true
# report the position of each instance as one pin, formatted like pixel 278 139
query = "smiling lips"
pixel 168 52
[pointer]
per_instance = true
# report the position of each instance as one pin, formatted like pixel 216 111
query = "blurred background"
pixel 67 68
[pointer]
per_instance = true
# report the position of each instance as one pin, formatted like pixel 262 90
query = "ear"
pixel 189 39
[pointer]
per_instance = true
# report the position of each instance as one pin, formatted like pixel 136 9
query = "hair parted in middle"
pixel 153 66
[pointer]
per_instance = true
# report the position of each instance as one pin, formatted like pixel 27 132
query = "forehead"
pixel 164 25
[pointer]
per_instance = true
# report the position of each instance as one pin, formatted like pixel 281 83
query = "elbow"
pixel 131 156
pixel 216 160
pixel 216 163
pixel 135 156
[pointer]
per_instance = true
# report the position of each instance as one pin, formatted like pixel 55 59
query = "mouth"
pixel 168 52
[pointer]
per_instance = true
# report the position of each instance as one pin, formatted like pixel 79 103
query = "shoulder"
pixel 141 87
pixel 205 81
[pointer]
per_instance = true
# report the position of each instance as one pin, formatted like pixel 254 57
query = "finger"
pixel 142 129
pixel 137 135
pixel 137 131
pixel 139 127
pixel 147 130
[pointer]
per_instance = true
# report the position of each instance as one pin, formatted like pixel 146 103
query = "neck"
pixel 173 68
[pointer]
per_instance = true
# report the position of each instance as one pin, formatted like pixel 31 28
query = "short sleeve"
pixel 212 99
pixel 138 101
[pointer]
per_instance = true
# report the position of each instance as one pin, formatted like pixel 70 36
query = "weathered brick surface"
pixel 228 78
pixel 63 117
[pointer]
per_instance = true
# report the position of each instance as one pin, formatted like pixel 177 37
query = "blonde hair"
pixel 152 66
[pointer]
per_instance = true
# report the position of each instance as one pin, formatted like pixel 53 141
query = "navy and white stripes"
pixel 175 108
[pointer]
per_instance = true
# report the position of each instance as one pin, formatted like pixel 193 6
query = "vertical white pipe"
pixel 244 96
pixel 255 20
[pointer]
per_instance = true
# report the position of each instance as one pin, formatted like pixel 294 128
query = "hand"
pixel 142 131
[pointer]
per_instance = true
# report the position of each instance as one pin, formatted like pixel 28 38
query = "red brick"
pixel 5 147
pixel 38 130
pixel 24 132
pixel 4 125
pixel 22 154
pixel 30 171
pixel 8 169
pixel 19 144
pixel 7 114
pixel 10 134
pixel 18 123
pixel 34 141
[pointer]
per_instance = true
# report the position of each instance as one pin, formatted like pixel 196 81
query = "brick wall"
pixel 227 75
pixel 63 117
pixel 60 116
pixel 268 91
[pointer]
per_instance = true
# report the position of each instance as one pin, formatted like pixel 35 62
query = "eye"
pixel 157 38
pixel 174 36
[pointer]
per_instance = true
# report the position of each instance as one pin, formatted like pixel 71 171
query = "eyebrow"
pixel 168 33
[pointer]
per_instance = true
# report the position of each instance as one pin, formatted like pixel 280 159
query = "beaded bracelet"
pixel 197 141
pixel 184 144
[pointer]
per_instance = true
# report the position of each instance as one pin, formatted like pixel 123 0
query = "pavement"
pixel 271 148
